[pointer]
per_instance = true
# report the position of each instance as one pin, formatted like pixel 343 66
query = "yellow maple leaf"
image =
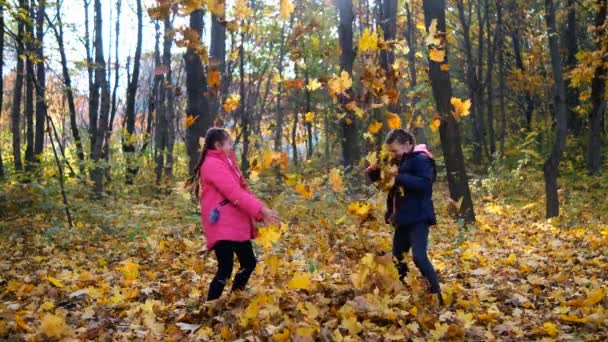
pixel 54 281
pixel 432 37
pixel 574 318
pixel 359 209
pixel 286 8
pixel 368 41
pixel 130 270
pixel 374 127
pixel 461 108
pixel 309 117
pixel 216 7
pixel 550 329
pixel 435 124
pixel 190 120
pixel 313 85
pixel 281 336
pixel 232 103
pixel 335 179
pixel 437 55
pixel 54 326
pixel 304 190
pixel 339 84
pixel 353 326
pixel 300 281
pixel 440 330
pixel 594 297
pixel 189 6
pixel 372 158
pixel 393 121
pixel 268 236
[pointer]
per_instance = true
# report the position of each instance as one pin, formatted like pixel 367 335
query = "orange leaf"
pixel 394 121
pixel 437 55
pixel 190 120
pixel 294 84
pixel 214 80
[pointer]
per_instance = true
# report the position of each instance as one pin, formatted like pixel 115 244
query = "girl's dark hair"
pixel 214 135
pixel 400 136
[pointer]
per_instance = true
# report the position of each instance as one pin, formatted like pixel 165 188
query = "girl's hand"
pixel 270 216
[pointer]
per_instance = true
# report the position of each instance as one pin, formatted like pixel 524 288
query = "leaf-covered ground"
pixel 133 269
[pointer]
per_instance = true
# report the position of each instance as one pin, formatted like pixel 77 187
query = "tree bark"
pixel 1 80
pixel 449 131
pixel 17 90
pixel 349 137
pixel 93 81
pixel 278 133
pixel 519 63
pixel 128 145
pixel 410 36
pixel 169 107
pixel 570 45
pixel 41 79
pixel 598 89
pixel 97 170
pixel 28 109
pixel 196 88
pixel 551 165
pixel 218 63
pixel 501 76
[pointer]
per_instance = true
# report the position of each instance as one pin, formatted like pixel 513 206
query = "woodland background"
pixel 104 105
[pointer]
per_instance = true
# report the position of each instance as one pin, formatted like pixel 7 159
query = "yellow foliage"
pixel 300 281
pixel 461 108
pixel 286 8
pixel 216 7
pixel 374 127
pixel 232 103
pixel 393 121
pixel 339 84
pixel 368 41
pixel 54 326
pixel 335 179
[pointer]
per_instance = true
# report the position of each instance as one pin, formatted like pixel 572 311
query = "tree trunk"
pixel 153 96
pixel 93 81
pixel 472 83
pixel 308 124
pixel 218 62
pixel 387 56
pixel 570 46
pixel 196 87
pixel 598 89
pixel 551 166
pixel 29 92
pixel 17 90
pixel 41 79
pixel 349 137
pixel 128 146
pixel 278 133
pixel 501 76
pixel 169 108
pixel 410 36
pixel 449 131
pixel 97 170
pixel 519 63
pixel 67 80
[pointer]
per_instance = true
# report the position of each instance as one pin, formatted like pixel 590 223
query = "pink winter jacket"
pixel 221 179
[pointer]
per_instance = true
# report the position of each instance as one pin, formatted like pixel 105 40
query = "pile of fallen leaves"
pixel 136 270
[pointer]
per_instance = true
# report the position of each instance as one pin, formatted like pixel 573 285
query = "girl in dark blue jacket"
pixel 409 204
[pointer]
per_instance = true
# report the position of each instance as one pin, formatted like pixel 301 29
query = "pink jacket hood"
pixel 220 180
pixel 423 149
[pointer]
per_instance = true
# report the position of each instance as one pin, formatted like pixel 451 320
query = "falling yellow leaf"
pixel 313 85
pixel 433 38
pixel 216 7
pixel 214 79
pixel 190 120
pixel 461 108
pixel 309 117
pixel 335 179
pixel 352 106
pixel 304 190
pixel 300 281
pixel 445 67
pixel 286 9
pixel 374 127
pixel 339 84
pixel 232 103
pixel 393 121
pixel 55 282
pixel 54 326
pixel 368 41
pixel 437 55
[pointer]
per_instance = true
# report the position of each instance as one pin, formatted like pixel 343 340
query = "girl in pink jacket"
pixel 228 211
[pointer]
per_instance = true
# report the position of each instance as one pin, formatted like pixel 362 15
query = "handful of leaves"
pixel 388 169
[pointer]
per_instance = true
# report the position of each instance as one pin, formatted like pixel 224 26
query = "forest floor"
pixel 132 268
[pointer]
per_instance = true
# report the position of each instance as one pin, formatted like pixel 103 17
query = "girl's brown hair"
pixel 400 136
pixel 214 135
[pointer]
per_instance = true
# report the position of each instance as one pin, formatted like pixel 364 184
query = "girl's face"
pixel 397 150
pixel 226 146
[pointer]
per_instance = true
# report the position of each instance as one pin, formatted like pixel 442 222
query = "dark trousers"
pixel 416 237
pixel 224 251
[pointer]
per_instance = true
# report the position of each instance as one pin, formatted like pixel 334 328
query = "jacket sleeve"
pixel 219 174
pixel 421 179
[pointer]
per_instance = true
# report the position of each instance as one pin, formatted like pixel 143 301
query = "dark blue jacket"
pixel 412 191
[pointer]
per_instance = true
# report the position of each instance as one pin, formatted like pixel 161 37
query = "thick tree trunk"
pixel 128 146
pixel 196 87
pixel 97 170
pixel 217 53
pixel 551 166
pixel 570 46
pixel 598 89
pixel 93 81
pixel 387 56
pixel 41 79
pixel 169 107
pixel 349 137
pixel 245 120
pixel 449 131
pixel 17 90
pixel 501 76
pixel 67 80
